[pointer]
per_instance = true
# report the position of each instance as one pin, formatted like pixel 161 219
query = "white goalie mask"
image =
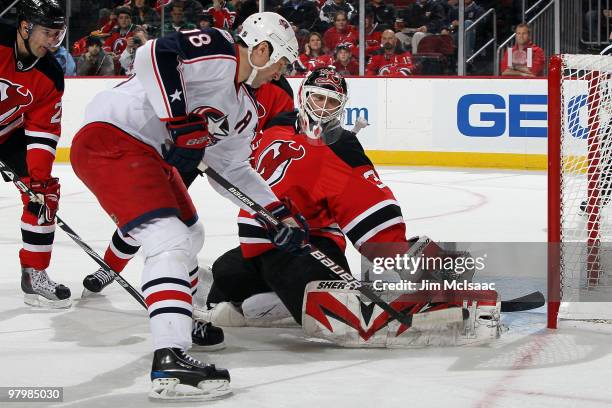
pixel 274 29
pixel 321 99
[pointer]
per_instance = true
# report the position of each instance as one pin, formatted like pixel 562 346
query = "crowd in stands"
pixel 402 37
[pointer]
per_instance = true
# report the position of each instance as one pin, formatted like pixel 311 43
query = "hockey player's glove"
pixel 292 236
pixel 49 193
pixel 189 138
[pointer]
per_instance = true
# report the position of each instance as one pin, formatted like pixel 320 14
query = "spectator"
pixel 313 56
pixel 345 64
pixel 391 59
pixel 95 62
pixel 331 7
pixel 304 14
pixel 205 20
pixel 425 16
pixel 177 20
pixel 127 57
pixel 525 59
pixel 372 35
pixel 222 17
pixel 472 12
pixel 340 33
pixel 65 60
pixel 383 13
pixel 191 10
pixel 244 9
pixel 403 34
pixel 145 16
pixel 117 40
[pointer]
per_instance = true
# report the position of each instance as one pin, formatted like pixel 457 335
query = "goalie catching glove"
pixel 292 234
pixel 48 191
pixel 189 139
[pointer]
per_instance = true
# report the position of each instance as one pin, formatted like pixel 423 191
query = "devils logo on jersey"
pixel 12 98
pixel 274 160
pixel 218 125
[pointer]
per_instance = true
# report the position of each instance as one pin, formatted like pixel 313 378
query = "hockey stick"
pixel 419 320
pixel 527 302
pixel 7 171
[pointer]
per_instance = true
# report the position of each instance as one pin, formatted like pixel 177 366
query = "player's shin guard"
pixel 345 318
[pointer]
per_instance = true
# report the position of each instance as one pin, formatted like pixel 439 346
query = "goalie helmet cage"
pixel 579 187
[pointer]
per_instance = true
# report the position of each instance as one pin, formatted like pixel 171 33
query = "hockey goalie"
pixel 323 173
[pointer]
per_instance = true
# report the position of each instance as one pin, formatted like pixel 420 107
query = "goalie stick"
pixel 420 320
pixel 7 171
pixel 520 304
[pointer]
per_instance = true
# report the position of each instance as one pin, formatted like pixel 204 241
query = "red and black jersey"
pixel 273 98
pixel 399 63
pixel 223 18
pixel 335 187
pixel 30 98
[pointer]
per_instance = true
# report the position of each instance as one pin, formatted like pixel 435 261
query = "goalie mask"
pixel 321 99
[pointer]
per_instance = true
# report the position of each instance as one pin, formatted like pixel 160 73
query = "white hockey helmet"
pixel 271 27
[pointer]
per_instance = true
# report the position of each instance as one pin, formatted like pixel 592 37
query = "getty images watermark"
pixel 406 266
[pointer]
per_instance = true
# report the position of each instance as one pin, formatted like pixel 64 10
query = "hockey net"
pixel 579 188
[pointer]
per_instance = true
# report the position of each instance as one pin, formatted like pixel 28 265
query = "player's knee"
pixel 226 269
pixel 162 236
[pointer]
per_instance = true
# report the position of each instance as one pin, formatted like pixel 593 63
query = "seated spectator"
pixel 191 10
pixel 205 20
pixel 117 40
pixel 472 12
pixel 65 60
pixel 345 64
pixel 177 20
pixel 383 13
pixel 145 16
pixel 95 62
pixel 331 7
pixel 313 56
pixel 127 57
pixel 340 33
pixel 525 58
pixel 403 33
pixel 372 35
pixel 391 59
pixel 304 14
pixel 244 9
pixel 426 16
pixel 222 17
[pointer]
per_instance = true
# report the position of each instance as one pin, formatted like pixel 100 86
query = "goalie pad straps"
pixel 344 317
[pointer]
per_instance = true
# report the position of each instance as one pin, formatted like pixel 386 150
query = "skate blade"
pixel 88 293
pixel 212 347
pixel 42 302
pixel 437 318
pixel 170 389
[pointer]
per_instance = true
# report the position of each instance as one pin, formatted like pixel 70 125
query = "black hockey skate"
pixel 95 282
pixel 177 376
pixel 206 337
pixel 40 291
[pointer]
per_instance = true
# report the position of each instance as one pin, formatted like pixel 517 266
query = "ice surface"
pixel 99 350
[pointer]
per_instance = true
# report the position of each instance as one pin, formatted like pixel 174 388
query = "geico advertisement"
pixel 491 115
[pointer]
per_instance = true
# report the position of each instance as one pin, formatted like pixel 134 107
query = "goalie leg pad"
pixel 346 318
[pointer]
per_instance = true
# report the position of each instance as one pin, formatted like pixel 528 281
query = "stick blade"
pixel 528 302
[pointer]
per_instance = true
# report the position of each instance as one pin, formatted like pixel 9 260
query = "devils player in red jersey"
pixel 341 197
pixel 31 89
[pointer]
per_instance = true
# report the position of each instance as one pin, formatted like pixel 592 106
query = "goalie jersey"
pixel 190 71
pixel 335 187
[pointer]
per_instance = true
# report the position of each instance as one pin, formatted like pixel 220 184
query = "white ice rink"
pixel 99 350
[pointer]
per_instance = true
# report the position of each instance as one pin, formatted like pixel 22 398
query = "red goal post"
pixel 579 187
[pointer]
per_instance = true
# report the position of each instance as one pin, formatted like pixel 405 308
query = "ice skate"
pixel 177 376
pixel 95 282
pixel 40 291
pixel 206 337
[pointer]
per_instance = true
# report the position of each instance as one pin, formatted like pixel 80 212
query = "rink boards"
pixel 459 122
